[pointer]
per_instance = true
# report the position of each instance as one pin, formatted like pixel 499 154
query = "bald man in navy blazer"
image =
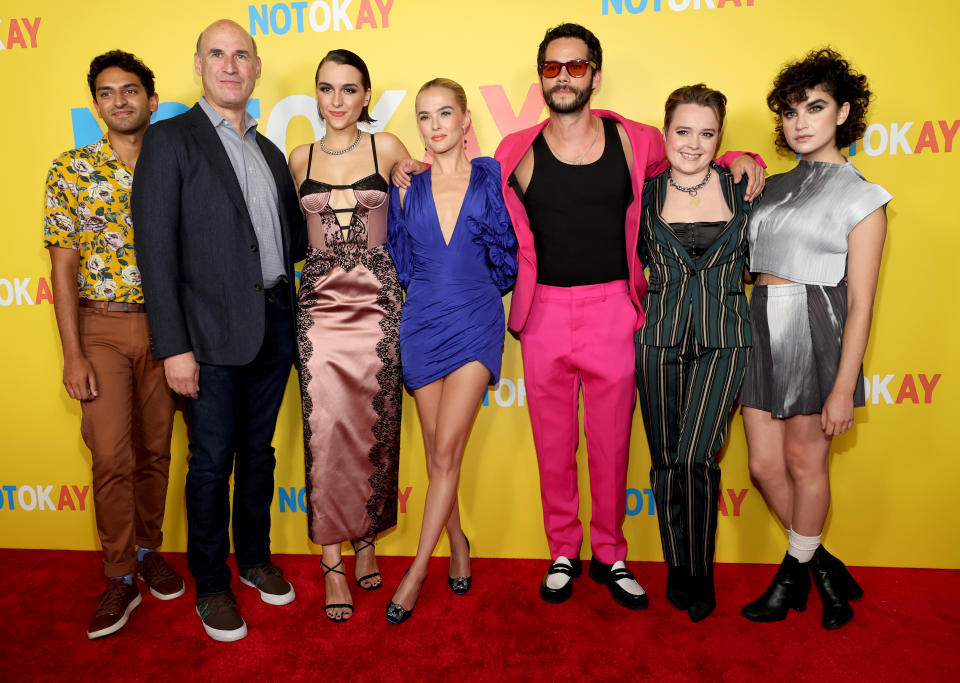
pixel 219 228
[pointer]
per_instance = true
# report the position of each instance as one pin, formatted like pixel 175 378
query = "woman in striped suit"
pixel 692 349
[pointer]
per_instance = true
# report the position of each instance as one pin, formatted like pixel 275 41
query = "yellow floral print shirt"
pixel 87 207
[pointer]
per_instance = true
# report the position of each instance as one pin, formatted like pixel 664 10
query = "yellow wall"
pixel 894 476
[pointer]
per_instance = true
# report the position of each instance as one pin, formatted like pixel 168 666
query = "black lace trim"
pixel 308 279
pixel 385 453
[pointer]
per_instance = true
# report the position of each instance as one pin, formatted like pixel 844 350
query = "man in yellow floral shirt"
pixel 107 359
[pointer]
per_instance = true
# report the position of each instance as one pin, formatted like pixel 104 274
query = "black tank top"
pixel 577 214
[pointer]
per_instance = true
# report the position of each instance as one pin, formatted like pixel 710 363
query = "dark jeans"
pixel 233 421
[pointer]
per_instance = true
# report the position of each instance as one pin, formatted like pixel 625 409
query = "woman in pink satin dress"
pixel 347 330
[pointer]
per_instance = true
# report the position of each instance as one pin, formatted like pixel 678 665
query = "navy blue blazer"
pixel 709 289
pixel 196 247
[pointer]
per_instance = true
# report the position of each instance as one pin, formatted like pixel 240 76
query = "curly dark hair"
pixel 827 69
pixel 125 61
pixel 594 51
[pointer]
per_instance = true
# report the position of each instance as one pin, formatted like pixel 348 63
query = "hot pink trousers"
pixel 581 337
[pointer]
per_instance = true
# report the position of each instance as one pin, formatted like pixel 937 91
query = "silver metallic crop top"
pixel 799 231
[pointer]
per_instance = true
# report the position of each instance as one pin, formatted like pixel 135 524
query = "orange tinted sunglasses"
pixel 577 68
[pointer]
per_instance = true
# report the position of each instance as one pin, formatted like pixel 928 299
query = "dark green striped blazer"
pixel 710 288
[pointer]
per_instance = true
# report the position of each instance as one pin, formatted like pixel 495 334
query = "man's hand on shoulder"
pixel 183 374
pixel 79 378
pixel 755 175
pixel 406 169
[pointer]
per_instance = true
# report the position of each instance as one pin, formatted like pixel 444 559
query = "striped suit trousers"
pixel 687 393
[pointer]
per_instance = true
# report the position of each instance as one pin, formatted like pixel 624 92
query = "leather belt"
pixel 113 306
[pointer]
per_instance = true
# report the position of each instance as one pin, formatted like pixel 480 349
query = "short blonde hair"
pixel 458 92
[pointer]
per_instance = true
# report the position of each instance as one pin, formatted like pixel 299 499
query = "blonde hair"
pixel 458 92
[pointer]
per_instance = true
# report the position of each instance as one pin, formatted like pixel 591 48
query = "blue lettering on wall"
pixel 291 499
pixel 278 18
pixel 259 20
pixel 288 499
pixel 636 507
pixel 86 129
pixel 274 24
pixel 633 6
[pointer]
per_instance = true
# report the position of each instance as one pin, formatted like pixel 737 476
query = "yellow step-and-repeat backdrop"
pixel 895 476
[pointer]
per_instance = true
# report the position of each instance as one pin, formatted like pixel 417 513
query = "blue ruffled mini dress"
pixel 453 311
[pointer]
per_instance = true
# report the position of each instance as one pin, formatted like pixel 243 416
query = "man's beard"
pixel 578 102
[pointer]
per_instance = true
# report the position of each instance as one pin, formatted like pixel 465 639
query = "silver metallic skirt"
pixel 797 337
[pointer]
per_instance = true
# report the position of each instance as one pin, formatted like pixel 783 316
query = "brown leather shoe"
pixel 220 618
pixel 268 579
pixel 164 583
pixel 116 604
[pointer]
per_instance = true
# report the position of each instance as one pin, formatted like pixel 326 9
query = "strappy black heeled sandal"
pixel 335 605
pixel 363 544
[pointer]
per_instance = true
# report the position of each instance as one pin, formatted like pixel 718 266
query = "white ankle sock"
pixel 802 547
pixel 558 581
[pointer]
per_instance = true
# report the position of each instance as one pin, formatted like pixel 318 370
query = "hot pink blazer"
pixel 648 162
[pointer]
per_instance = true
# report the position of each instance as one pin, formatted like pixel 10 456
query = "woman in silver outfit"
pixel 815 246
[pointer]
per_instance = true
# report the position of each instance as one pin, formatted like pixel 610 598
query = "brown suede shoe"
pixel 116 604
pixel 220 618
pixel 164 583
pixel 268 579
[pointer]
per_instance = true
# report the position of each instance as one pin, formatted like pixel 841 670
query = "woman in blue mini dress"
pixel 455 251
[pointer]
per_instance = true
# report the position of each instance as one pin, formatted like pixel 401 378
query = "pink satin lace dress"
pixel 348 327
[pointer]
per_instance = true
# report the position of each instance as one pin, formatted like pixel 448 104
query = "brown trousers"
pixel 127 429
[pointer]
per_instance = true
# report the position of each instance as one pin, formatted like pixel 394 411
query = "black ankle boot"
pixel 833 590
pixel 678 586
pixel 839 574
pixel 703 599
pixel 789 590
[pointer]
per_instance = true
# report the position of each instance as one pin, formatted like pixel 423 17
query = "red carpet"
pixel 906 628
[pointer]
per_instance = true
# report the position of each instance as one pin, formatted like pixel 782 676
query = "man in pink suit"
pixel 573 186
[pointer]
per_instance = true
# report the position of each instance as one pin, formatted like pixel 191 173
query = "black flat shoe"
pixel 461 584
pixel 703 598
pixel 678 586
pixel 839 574
pixel 557 595
pixel 336 605
pixel 789 590
pixel 832 589
pixel 606 575
pixel 359 546
pixel 397 613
